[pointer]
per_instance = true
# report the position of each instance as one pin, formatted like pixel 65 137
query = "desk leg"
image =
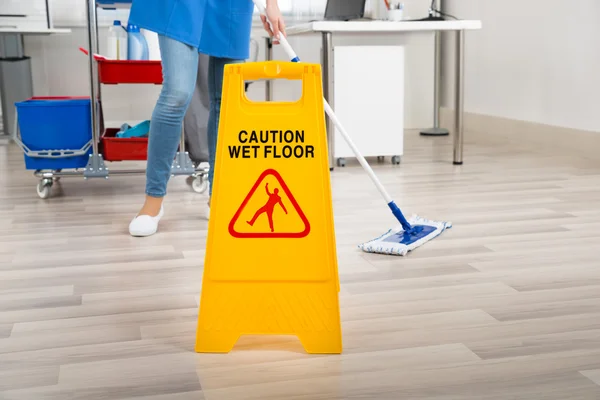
pixel 459 100
pixel 16 82
pixel 268 57
pixel 328 92
pixel 436 130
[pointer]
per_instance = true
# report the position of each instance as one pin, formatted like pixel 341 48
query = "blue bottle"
pixel 137 46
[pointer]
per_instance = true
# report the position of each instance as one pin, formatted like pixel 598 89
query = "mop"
pixel 411 233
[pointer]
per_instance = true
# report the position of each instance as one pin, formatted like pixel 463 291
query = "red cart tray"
pixel 123 149
pixel 114 72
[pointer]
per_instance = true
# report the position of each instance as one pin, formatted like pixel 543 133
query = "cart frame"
pixel 96 167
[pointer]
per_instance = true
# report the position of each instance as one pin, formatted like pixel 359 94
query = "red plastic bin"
pixel 114 72
pixel 123 149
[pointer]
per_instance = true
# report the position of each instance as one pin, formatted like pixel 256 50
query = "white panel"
pixel 369 99
pixel 23 7
pixel 26 15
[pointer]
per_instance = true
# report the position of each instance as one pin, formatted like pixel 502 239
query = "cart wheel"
pixel 380 158
pixel 43 188
pixel 56 178
pixel 200 184
pixel 396 160
pixel 341 162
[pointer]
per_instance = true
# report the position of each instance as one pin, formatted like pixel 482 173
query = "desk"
pixel 16 82
pixel 328 28
pixel 33 31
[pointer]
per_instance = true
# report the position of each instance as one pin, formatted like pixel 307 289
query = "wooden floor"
pixel 506 305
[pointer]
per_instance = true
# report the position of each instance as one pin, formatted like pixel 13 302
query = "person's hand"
pixel 274 17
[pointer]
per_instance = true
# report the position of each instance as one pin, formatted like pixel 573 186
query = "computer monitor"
pixel 344 10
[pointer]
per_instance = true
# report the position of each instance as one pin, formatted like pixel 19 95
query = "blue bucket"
pixel 55 124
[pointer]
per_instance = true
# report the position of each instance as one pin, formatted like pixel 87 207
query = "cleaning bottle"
pixel 137 44
pixel 117 42
pixel 153 46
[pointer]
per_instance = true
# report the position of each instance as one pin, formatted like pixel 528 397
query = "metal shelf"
pixel 182 164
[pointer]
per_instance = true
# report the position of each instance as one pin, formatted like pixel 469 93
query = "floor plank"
pixel 505 305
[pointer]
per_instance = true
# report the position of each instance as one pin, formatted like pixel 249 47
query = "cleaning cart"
pixel 66 136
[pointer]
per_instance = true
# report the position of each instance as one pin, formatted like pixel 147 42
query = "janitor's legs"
pixel 180 68
pixel 216 67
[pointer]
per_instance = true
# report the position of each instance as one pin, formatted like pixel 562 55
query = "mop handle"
pixel 284 43
pixel 294 58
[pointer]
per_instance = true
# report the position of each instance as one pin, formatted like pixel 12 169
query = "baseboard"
pixel 530 135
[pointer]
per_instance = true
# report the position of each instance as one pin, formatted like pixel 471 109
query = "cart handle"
pixel 61 153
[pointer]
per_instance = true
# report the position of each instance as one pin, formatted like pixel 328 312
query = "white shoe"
pixel 145 225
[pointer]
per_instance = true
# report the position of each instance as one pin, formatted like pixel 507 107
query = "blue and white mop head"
pixel 399 242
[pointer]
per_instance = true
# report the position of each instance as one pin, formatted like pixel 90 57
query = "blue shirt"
pixel 220 28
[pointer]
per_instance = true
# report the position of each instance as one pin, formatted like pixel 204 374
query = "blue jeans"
pixel 180 68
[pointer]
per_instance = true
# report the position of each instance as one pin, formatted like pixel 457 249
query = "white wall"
pixel 534 60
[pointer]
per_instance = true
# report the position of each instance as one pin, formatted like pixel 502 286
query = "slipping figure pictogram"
pixel 268 208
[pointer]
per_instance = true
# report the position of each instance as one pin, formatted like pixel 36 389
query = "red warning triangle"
pixel 272 200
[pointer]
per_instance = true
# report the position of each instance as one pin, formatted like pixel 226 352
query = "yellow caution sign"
pixel 271 263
